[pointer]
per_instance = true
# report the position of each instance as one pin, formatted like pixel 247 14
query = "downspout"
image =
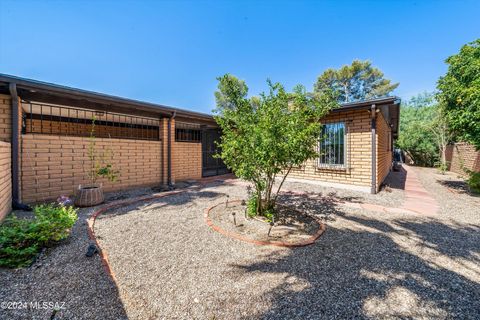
pixel 373 112
pixel 169 150
pixel 15 147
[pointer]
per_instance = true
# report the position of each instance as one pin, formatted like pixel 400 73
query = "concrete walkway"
pixel 417 198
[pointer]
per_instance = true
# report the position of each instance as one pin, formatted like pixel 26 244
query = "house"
pixel 44 130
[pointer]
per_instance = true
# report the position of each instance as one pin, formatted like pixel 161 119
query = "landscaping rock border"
pixel 240 237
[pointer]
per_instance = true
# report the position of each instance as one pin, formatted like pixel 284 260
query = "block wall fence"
pixel 461 156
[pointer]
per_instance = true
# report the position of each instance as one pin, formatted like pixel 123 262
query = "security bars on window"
pixel 332 148
pixel 41 118
pixel 187 132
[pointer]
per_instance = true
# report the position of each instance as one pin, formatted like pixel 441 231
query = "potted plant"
pixel 91 194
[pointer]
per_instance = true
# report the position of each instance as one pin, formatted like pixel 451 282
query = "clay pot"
pixel 89 195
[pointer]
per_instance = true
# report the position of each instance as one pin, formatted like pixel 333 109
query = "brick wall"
pixel 5 118
pixel 54 165
pixel 5 180
pixel 358 170
pixel 463 156
pixel 186 161
pixel 384 149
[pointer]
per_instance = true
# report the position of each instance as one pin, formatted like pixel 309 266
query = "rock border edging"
pixel 237 236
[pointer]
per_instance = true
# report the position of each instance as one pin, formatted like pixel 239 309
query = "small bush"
pixel 474 182
pixel 22 239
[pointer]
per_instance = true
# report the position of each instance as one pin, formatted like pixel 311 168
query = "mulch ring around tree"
pixel 292 228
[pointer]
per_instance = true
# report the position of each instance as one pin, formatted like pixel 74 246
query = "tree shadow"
pixel 364 267
pixel 184 198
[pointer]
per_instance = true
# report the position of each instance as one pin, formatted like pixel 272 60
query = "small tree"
pixel 442 135
pixel 266 136
pixel 99 166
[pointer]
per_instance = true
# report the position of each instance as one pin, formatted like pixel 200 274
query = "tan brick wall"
pixel 5 179
pixel 55 165
pixel 5 118
pixel 463 156
pixel 186 161
pixel 384 149
pixel 358 171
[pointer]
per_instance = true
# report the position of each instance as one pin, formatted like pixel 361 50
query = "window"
pixel 332 145
pixel 187 132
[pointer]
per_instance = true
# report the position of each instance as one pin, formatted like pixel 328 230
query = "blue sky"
pixel 171 52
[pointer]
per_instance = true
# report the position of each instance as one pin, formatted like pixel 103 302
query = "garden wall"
pixel 462 156
pixel 55 165
pixel 5 179
pixel 358 169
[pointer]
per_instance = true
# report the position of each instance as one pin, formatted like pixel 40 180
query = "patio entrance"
pixel 211 166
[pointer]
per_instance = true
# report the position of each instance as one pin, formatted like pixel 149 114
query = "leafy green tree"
pixel 416 138
pixel 358 81
pixel 266 136
pixel 460 93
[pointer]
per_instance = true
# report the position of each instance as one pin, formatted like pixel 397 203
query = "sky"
pixel 170 52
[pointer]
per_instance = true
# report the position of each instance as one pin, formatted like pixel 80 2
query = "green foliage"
pixel 358 81
pixel 474 181
pixel 22 239
pixel 415 137
pixel 460 93
pixel 265 136
pixel 99 167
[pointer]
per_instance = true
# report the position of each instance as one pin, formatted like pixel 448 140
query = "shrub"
pixel 474 182
pixel 22 239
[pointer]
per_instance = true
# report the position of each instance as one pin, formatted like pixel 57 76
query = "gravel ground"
pixel 393 197
pixel 169 264
pixel 451 192
pixel 64 275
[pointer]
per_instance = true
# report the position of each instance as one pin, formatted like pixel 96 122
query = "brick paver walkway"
pixel 417 198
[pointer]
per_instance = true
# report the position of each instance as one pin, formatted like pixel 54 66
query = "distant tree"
pixel 460 93
pixel 416 138
pixel 266 136
pixel 441 132
pixel 358 81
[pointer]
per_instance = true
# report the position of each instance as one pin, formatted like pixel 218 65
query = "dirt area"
pixel 290 226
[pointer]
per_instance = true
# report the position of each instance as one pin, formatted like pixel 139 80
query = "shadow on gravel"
pixel 458 186
pixel 368 268
pixel 188 196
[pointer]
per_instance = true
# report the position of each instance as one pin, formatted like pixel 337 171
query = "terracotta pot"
pixel 89 195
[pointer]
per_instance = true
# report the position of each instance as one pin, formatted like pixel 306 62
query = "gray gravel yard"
pixel 170 265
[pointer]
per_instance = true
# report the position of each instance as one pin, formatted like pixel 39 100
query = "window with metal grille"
pixel 187 132
pixel 41 118
pixel 332 146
